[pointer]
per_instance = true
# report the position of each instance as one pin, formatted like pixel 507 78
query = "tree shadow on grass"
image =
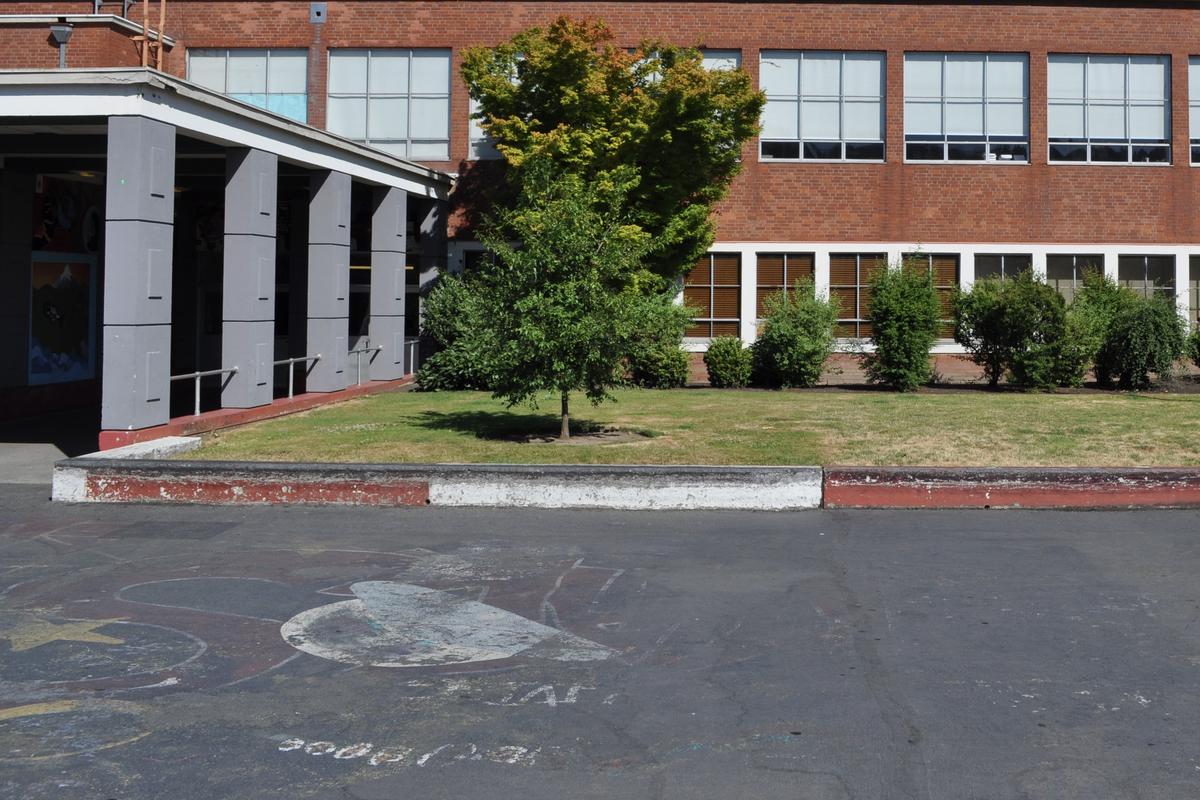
pixel 507 426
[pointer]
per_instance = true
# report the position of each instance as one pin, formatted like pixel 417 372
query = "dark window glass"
pixel 1151 154
pixel 1195 154
pixel 924 151
pixel 1068 152
pixel 959 151
pixel 822 149
pixel 1010 152
pixel 780 150
pixel 1110 152
pixel 864 151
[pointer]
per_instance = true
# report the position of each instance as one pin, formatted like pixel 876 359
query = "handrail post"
pixel 196 409
pixel 291 378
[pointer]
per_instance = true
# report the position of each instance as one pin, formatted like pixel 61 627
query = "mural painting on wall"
pixel 67 226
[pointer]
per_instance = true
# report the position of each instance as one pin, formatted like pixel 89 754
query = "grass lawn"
pixel 710 426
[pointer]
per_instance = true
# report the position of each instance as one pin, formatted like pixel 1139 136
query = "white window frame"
pixel 267 51
pixel 986 139
pixel 799 100
pixel 367 95
pixel 1086 141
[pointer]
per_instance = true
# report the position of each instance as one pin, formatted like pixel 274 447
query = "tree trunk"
pixel 565 431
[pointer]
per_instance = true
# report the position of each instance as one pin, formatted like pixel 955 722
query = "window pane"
pixel 862 75
pixel 727 269
pixel 348 72
pixel 1147 78
pixel 957 151
pixel 347 117
pixel 288 72
pixel 259 100
pixel 770 269
pixel 780 120
pixel 1005 119
pixel 864 152
pixel 923 75
pixel 779 73
pixel 294 106
pixel 1106 78
pixel 1147 122
pixel 820 74
pixel 721 59
pixel 388 72
pixel 863 119
pixel 987 267
pixel 819 119
pixel 395 148
pixel 1065 77
pixel 964 118
pixel 964 75
pixel 1194 118
pixel 430 151
pixel 1106 121
pixel 430 118
pixel 1065 121
pixel 247 72
pixel 922 117
pixel 1006 75
pixel 387 118
pixel 207 69
pixel 430 72
pixel 925 151
pixel 822 150
pixel 1160 271
pixel 776 150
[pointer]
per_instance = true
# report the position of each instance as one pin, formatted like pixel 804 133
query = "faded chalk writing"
pixel 516 755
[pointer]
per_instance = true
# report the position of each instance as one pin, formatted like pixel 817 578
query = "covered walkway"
pixel 172 252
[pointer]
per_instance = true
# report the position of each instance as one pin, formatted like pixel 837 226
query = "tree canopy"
pixel 566 94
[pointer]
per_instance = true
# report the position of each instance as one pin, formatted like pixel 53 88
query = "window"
pixel 966 107
pixel 1109 109
pixel 1194 106
pixel 778 272
pixel 722 59
pixel 394 100
pixel 822 106
pixel 944 269
pixel 276 80
pixel 482 146
pixel 849 286
pixel 1147 275
pixel 1002 266
pixel 1065 272
pixel 1194 291
pixel 714 288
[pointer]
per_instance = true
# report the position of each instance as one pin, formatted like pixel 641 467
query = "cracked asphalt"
pixel 201 652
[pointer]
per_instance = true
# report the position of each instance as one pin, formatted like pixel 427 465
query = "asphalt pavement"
pixel 152 652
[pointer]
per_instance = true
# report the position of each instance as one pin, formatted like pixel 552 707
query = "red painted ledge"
pixel 229 417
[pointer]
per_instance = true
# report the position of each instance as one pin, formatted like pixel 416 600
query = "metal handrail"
pixel 292 362
pixel 358 360
pixel 197 376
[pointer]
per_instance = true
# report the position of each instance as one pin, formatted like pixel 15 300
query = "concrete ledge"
pixel 957 487
pixel 69 482
pixel 102 479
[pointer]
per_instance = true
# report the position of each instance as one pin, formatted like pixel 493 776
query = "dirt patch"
pixel 607 436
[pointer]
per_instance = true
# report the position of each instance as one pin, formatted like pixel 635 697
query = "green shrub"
pixel 1136 336
pixel 905 323
pixel 728 363
pixel 656 359
pixel 1193 347
pixel 795 339
pixel 450 359
pixel 1019 327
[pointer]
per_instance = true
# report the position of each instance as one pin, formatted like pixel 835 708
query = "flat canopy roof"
pixel 30 95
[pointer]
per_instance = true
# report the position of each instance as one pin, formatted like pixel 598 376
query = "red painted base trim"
pixel 882 488
pixel 229 417
pixel 132 489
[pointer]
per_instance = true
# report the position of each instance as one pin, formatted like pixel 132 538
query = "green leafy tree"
pixel 567 94
pixel 559 312
pixel 904 326
pixel 728 362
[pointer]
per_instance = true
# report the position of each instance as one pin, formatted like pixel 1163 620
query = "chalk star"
pixel 38 632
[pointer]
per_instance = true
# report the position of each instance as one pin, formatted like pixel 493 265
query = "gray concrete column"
pixel 139 224
pixel 388 218
pixel 16 211
pixel 328 279
pixel 248 292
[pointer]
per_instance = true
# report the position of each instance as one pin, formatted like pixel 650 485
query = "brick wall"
pixel 808 202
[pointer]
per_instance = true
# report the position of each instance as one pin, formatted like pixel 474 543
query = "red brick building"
pixel 991 137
